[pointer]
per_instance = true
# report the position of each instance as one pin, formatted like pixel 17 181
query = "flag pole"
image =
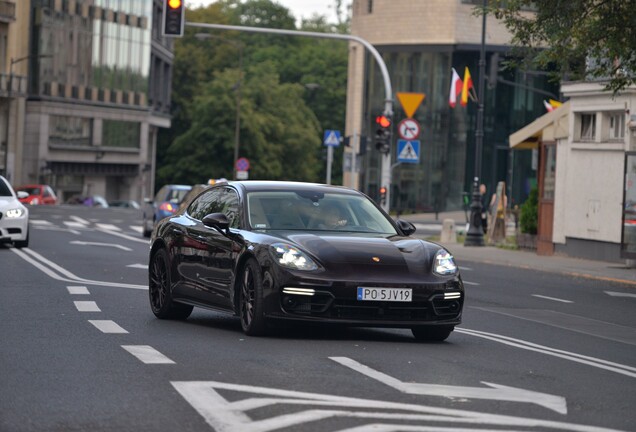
pixel 475 234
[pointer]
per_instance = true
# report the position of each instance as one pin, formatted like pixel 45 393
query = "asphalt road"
pixel 81 351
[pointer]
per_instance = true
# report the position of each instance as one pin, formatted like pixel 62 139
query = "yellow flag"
pixel 468 84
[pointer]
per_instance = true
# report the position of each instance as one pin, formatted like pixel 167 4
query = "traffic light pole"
pixel 385 176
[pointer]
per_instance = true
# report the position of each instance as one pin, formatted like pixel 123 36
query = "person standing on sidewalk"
pixel 485 207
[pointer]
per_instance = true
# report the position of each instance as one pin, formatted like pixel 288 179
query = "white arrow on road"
pixel 83 243
pixel 495 392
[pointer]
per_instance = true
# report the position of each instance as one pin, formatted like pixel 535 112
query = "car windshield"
pixel 310 211
pixel 30 190
pixel 4 189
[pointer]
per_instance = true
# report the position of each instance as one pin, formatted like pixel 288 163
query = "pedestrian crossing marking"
pixel 332 138
pixel 408 151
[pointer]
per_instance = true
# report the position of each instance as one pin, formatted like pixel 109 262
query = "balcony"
pixel 13 86
pixel 7 11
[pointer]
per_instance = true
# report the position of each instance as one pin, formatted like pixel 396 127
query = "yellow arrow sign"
pixel 410 102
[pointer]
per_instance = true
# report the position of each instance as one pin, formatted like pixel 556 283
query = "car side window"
pixel 209 202
pixel 231 207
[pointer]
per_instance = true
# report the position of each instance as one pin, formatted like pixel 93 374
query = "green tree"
pixel 529 213
pixel 578 38
pixel 293 88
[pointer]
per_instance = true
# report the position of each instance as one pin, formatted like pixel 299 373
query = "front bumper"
pixel 439 302
pixel 12 230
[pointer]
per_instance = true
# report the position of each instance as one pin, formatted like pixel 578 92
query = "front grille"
pixel 356 310
pixel 14 230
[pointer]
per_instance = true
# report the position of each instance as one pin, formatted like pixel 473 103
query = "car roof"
pixel 266 185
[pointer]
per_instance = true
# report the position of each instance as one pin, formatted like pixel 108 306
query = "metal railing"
pixel 7 10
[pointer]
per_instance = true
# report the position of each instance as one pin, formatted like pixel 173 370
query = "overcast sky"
pixel 298 8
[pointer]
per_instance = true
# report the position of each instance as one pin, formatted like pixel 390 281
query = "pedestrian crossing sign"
pixel 332 138
pixel 408 151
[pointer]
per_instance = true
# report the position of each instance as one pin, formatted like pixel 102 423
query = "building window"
pixel 121 134
pixel 70 131
pixel 588 127
pixel 369 6
pixel 617 126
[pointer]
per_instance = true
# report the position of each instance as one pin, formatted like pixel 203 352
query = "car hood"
pixel 343 253
pixel 7 203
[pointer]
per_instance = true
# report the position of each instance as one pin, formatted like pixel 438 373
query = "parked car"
pixel 164 204
pixel 124 203
pixel 284 251
pixel 14 216
pixel 38 194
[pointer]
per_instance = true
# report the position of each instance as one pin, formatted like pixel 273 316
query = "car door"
pixel 207 255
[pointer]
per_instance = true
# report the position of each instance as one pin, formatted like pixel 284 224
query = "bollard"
pixel 448 235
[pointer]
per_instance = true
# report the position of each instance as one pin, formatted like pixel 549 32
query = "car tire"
pixel 23 243
pixel 159 293
pixel 432 333
pixel 144 226
pixel 251 299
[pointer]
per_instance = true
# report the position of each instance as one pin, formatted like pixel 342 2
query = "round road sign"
pixel 242 164
pixel 409 129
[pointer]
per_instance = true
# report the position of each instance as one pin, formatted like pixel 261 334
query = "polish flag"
pixel 468 85
pixel 455 88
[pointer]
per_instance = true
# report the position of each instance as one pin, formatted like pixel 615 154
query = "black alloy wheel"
pixel 159 290
pixel 432 333
pixel 251 299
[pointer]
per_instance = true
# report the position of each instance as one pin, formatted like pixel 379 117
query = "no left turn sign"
pixel 409 129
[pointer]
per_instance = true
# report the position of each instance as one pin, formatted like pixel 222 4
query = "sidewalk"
pixel 598 270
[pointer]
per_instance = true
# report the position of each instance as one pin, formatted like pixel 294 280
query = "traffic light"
pixel 383 195
pixel 383 134
pixel 173 17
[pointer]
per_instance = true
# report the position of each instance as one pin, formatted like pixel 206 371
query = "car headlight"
pixel 290 257
pixel 444 263
pixel 14 213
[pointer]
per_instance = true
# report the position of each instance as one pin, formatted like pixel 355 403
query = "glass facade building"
pixel 447 151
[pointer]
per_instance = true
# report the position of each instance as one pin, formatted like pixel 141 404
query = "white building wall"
pixel 590 174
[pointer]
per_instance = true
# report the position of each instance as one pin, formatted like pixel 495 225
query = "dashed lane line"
pixel 147 354
pixel 77 290
pixel 87 306
pixel 552 298
pixel 107 326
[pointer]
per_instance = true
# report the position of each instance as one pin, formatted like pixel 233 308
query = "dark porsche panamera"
pixel 276 251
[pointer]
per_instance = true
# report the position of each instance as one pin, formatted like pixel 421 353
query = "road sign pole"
pixel 329 163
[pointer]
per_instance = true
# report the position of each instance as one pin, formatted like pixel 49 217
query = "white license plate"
pixel 385 294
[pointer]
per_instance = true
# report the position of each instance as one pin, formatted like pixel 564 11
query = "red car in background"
pixel 38 194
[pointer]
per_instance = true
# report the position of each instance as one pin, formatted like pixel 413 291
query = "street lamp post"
pixel 237 122
pixel 475 234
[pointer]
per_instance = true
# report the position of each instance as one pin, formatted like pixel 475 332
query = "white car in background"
pixel 14 217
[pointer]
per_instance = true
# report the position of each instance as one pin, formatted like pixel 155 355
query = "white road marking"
pixel 107 326
pixel 552 298
pixel 77 290
pixel 79 220
pixel 139 266
pixel 495 392
pixel 233 415
pixel 87 306
pixel 109 227
pixel 465 268
pixel 620 294
pixel 470 283
pixel 41 263
pixel 137 228
pixel 39 222
pixel 127 237
pixel 578 358
pixel 55 228
pixel 74 224
pixel 147 354
pixel 83 243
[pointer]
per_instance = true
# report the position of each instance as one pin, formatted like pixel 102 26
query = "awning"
pixel 548 127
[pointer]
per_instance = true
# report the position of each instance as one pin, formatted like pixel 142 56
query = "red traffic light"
pixel 383 121
pixel 382 190
pixel 175 4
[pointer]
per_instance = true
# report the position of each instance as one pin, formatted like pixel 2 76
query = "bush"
pixel 529 215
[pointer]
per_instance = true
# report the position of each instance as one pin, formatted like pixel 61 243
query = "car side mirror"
pixel 22 194
pixel 216 220
pixel 407 227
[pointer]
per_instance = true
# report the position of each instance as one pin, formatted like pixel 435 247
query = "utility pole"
pixel 475 234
